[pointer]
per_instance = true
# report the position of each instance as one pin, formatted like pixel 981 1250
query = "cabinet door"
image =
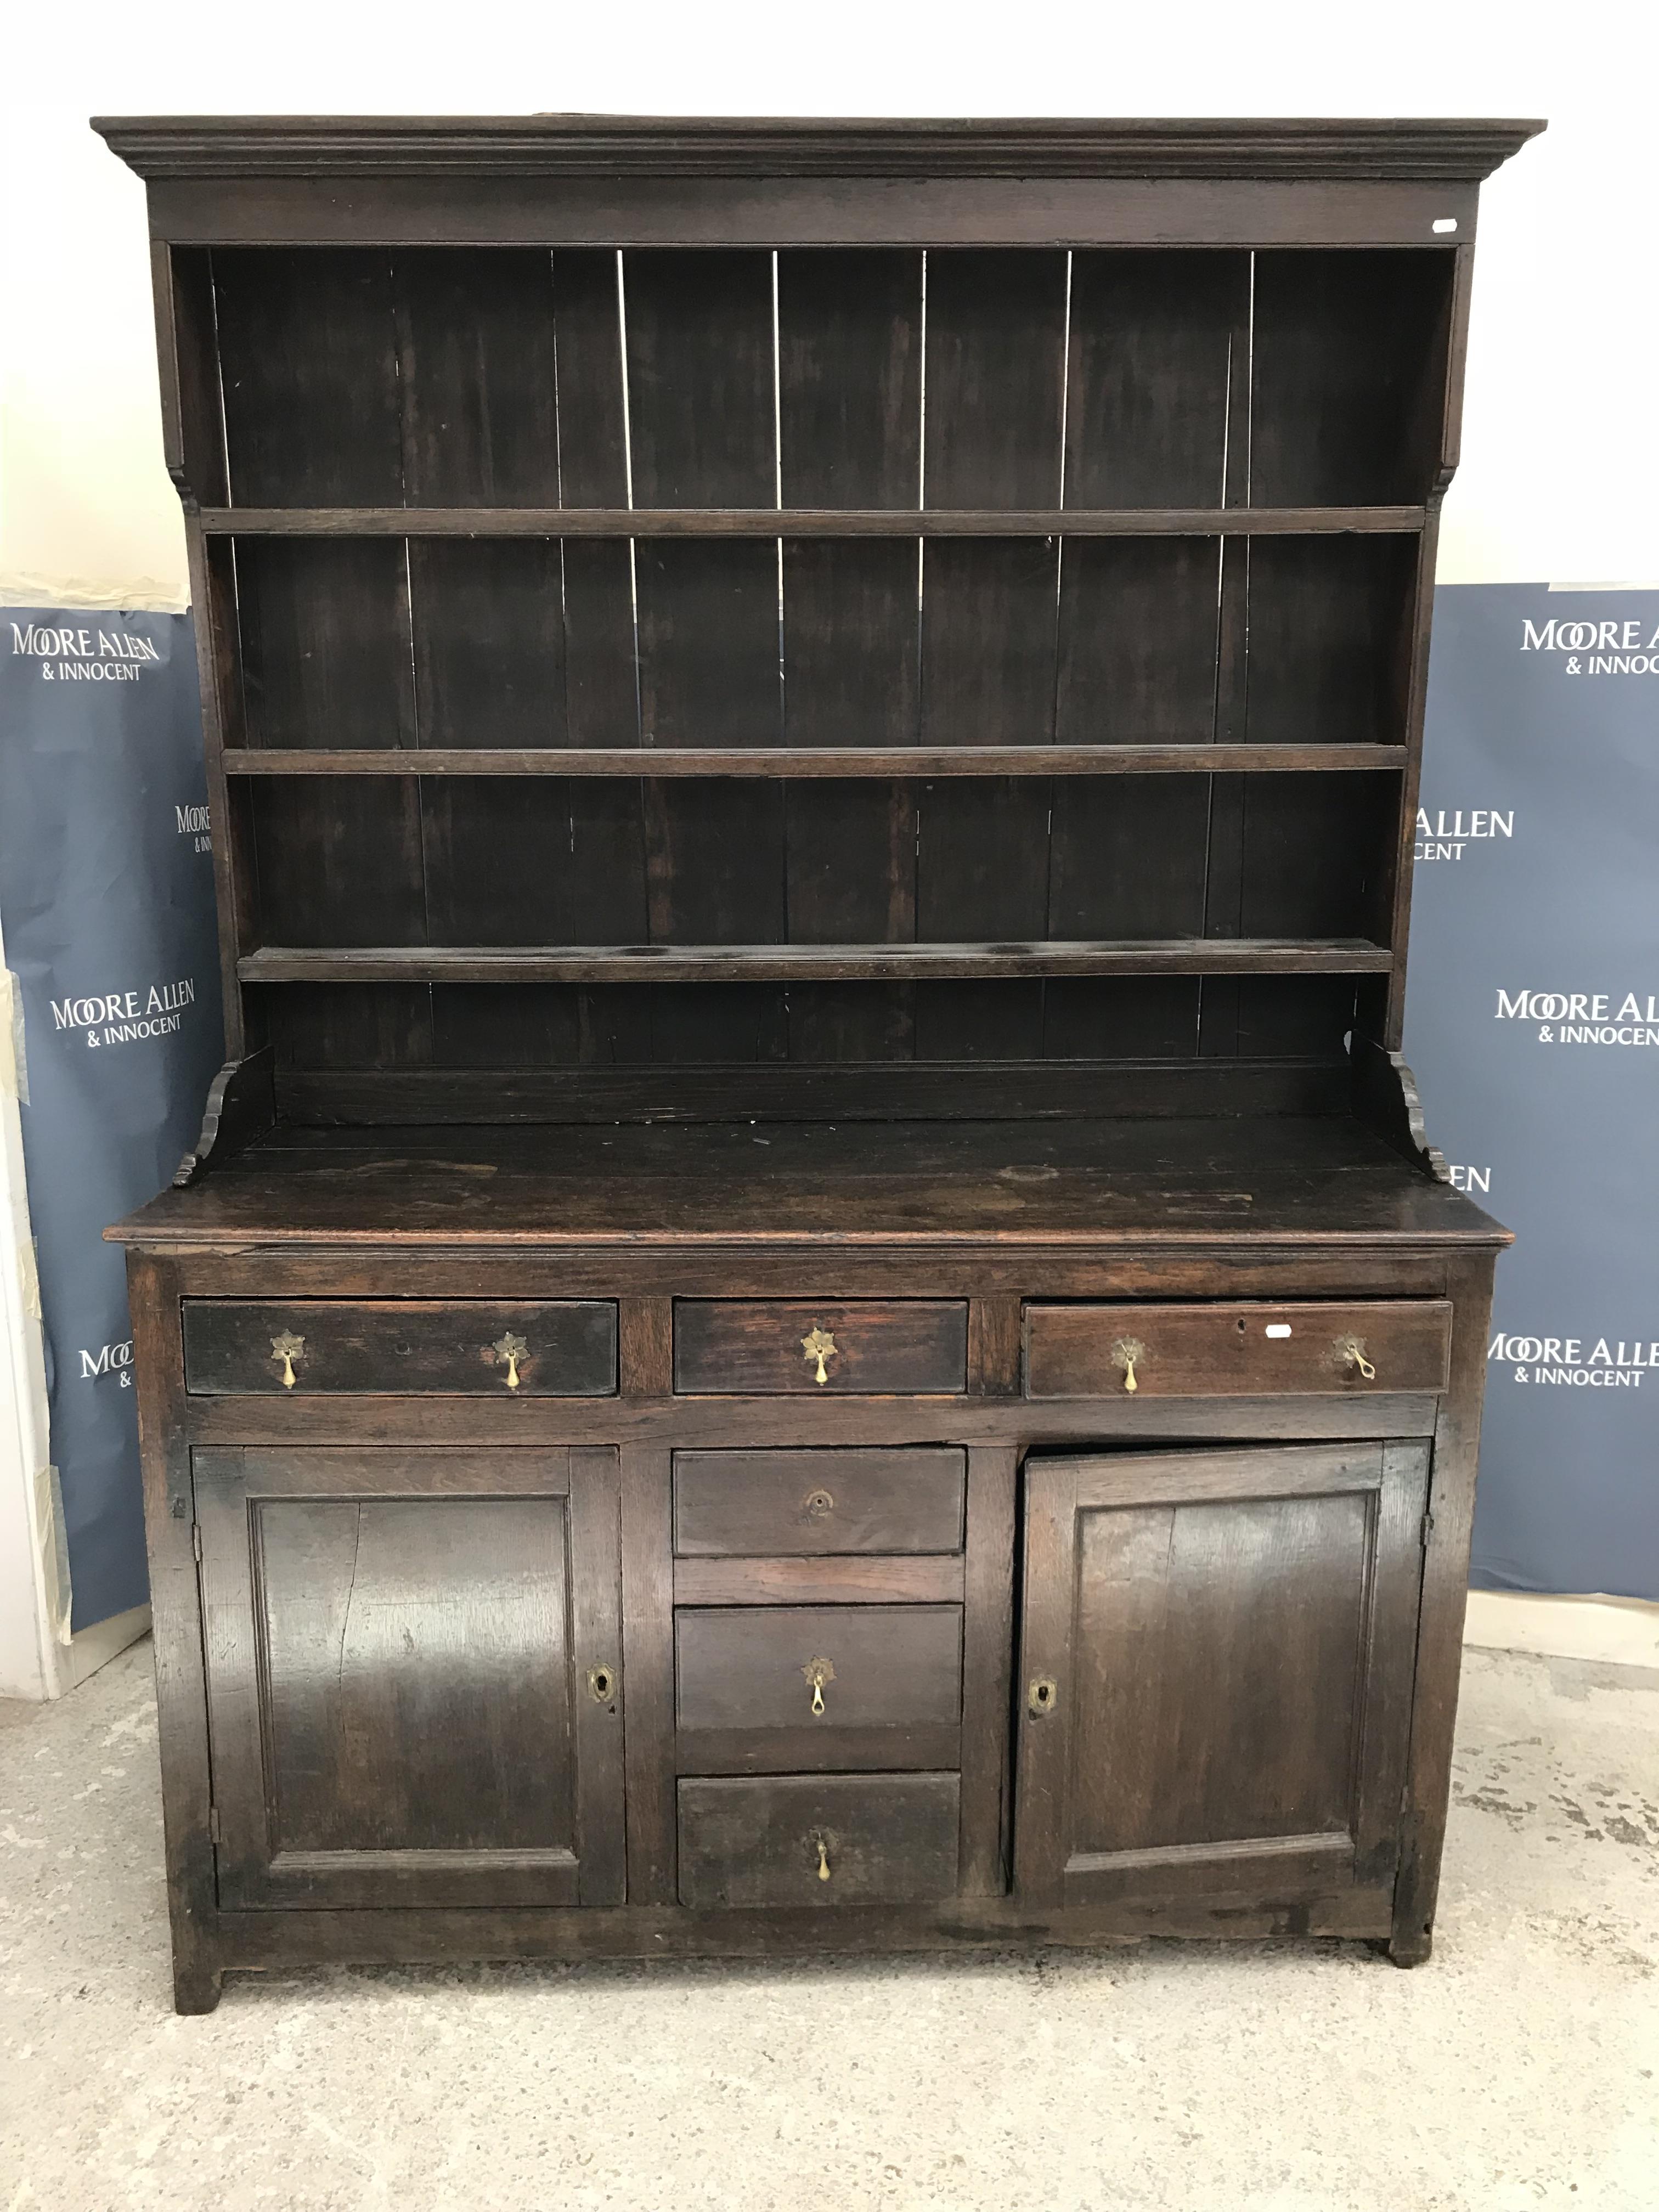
pixel 1218 1657
pixel 414 1688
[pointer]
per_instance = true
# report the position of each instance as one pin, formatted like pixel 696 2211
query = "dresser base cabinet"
pixel 462 1676
pixel 814 1310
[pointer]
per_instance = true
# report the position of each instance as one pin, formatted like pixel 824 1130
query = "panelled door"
pixel 414 1684
pixel 1217 1661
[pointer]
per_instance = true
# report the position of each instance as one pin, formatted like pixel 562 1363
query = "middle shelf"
pixel 851 762
pixel 813 964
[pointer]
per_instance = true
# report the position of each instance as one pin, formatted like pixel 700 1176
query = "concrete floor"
pixel 1519 2070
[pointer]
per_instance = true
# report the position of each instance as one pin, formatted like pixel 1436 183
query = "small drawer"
pixel 1231 1350
pixel 780 1504
pixel 818 1839
pixel 817 1670
pixel 767 1346
pixel 402 1347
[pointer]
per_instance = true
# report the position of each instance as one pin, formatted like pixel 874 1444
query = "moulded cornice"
pixel 205 146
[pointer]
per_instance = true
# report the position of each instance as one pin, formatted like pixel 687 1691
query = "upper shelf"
pixel 807 522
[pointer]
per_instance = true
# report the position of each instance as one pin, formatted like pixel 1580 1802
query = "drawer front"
pixel 860 1665
pixel 402 1347
pixel 781 1504
pixel 1227 1351
pixel 823 1840
pixel 767 1346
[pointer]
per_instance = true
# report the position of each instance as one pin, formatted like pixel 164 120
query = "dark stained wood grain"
pixel 810 1504
pixel 648 1659
pixel 747 1667
pixel 891 1838
pixel 772 149
pixel 1218 1349
pixel 1227 1606
pixel 832 520
pixel 176 1615
pixel 854 1580
pixel 994 1346
pixel 987 1667
pixel 832 760
pixel 407 1345
pixel 1445 1581
pixel 776 962
pixel 414 1734
pixel 846 761
pixel 1343 347
pixel 730 1346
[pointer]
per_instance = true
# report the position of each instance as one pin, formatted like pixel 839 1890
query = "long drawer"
pixel 401 1347
pixel 818 1839
pixel 730 1504
pixel 776 1346
pixel 1237 1350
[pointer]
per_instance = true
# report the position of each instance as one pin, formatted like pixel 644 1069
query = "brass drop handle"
pixel 819 1344
pixel 1351 1352
pixel 287 1348
pixel 1124 1354
pixel 512 1349
pixel 817 1673
pixel 821 1844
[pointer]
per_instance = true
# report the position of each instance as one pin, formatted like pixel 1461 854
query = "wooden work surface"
pixel 1175 1182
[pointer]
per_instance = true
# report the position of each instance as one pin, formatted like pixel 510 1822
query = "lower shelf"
pixel 814 963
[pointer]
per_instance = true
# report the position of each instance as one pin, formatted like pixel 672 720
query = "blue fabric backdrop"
pixel 106 901
pixel 1533 1025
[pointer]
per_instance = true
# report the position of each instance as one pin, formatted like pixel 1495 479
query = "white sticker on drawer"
pixel 1279 1328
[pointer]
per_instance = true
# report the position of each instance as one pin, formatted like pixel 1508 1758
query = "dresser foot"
pixel 196 1988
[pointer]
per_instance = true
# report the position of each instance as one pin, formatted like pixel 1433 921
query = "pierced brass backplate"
pixel 287 1348
pixel 1350 1352
pixel 602 1683
pixel 817 1673
pixel 1124 1354
pixel 820 1345
pixel 512 1349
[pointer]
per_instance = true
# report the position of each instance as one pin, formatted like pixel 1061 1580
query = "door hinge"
pixel 212 1825
pixel 196 1540
pixel 1427 1531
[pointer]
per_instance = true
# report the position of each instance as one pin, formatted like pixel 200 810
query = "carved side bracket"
pixel 1385 1098
pixel 241 1105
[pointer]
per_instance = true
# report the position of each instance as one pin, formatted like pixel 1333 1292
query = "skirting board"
pixel 95 1647
pixel 1618 1631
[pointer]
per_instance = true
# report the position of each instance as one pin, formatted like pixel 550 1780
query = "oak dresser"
pixel 814 1310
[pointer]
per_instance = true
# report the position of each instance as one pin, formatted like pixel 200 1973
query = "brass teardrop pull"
pixel 512 1349
pixel 1124 1354
pixel 287 1348
pixel 819 1344
pixel 822 1846
pixel 1351 1354
pixel 817 1673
